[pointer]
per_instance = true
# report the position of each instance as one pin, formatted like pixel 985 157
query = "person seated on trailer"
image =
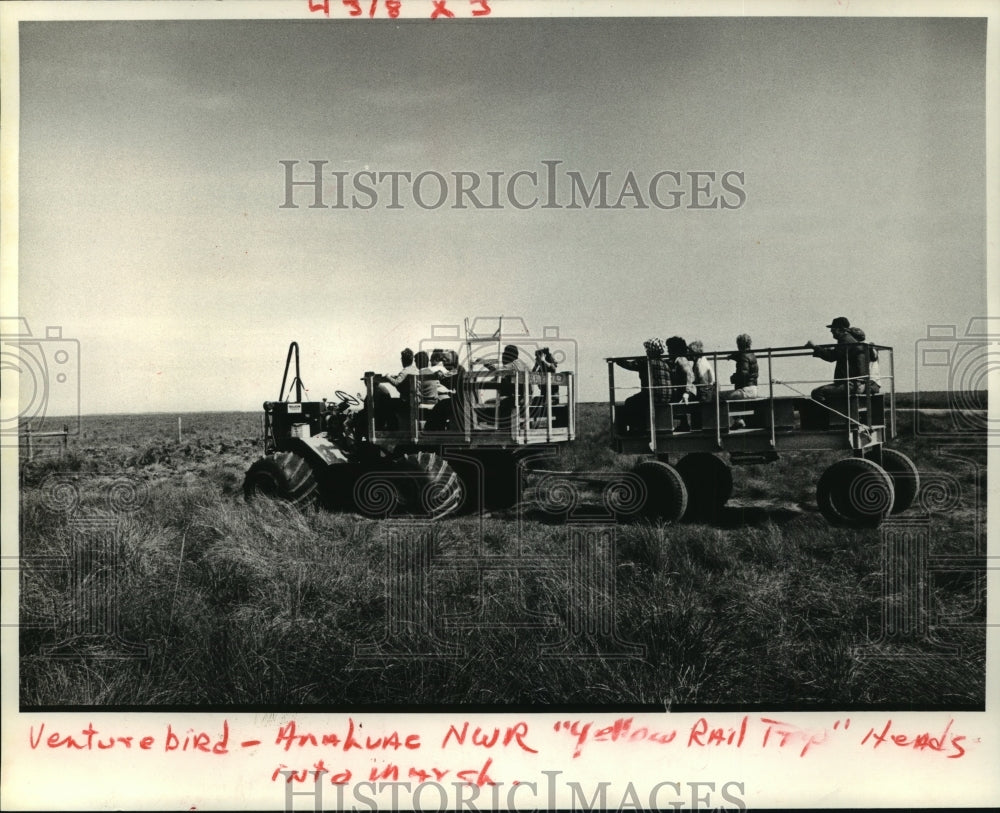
pixel 510 362
pixel 683 388
pixel 744 379
pixel 396 386
pixel 429 378
pixel 850 363
pixel 704 377
pixel 390 392
pixel 433 392
pixel 873 385
pixel 545 363
pixel 654 374
pixel 450 411
pixel 438 367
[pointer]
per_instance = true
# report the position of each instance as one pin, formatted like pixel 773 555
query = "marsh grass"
pixel 217 602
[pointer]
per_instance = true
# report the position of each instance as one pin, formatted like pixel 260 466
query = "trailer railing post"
pixel 548 405
pixel 527 404
pixel 652 405
pixel 611 399
pixel 892 395
pixel 718 406
pixel 571 404
pixel 770 397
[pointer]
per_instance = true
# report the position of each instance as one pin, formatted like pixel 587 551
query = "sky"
pixel 151 187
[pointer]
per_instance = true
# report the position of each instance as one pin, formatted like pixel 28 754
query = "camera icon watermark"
pixel 962 366
pixel 45 372
pixel 486 337
pixel 504 394
pixel 483 342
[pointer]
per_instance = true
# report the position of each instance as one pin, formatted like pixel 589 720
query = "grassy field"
pixel 148 581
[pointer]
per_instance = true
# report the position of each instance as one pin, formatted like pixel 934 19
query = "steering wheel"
pixel 347 397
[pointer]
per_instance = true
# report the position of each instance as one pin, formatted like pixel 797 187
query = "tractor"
pixel 686 476
pixel 384 456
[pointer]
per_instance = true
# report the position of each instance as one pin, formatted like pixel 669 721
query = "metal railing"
pixel 766 357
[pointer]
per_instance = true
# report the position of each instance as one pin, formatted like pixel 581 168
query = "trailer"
pixel 690 445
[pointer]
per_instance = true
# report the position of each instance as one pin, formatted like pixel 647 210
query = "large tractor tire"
pixel 471 477
pixel 666 494
pixel 440 492
pixel 421 484
pixel 282 476
pixel 905 478
pixel 709 483
pixel 855 492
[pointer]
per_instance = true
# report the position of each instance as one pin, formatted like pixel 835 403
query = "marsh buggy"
pixel 386 457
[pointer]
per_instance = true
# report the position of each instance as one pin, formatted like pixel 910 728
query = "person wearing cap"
pixel 851 364
pixel 654 373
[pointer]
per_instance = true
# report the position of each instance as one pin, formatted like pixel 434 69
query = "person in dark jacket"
pixel 744 380
pixel 872 385
pixel 850 358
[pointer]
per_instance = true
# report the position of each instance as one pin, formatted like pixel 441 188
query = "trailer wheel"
pixel 855 492
pixel 709 483
pixel 666 495
pixel 905 478
pixel 282 476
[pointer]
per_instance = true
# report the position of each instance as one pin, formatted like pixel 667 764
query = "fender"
pixel 319 451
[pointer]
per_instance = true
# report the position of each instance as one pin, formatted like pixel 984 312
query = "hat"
pixel 653 346
pixel 841 322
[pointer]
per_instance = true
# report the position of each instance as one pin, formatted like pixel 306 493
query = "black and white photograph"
pixel 523 405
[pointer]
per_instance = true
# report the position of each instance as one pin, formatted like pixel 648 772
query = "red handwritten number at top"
pixel 320 5
pixel 484 8
pixel 391 6
pixel 440 10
